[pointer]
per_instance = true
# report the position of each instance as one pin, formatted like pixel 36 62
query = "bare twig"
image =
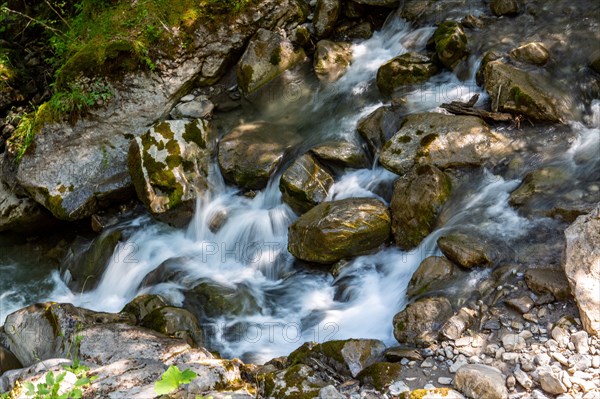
pixel 37 21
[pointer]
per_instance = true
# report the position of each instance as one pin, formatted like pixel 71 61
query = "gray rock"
pixel 551 281
pixel 432 270
pixel 419 322
pixel 513 342
pixel 582 268
pixel 405 70
pixel 329 392
pixel 141 306
pixel 580 340
pixel 458 324
pixel 522 304
pixel 326 15
pixel 342 153
pixel 523 378
pixel 331 60
pixel 550 381
pixel 504 7
pixel 466 250
pixel 267 56
pixel 305 184
pixel 481 381
pixel 193 110
pixel 580 362
pixel 532 53
pixel 175 322
pixel 21 213
pixel 377 127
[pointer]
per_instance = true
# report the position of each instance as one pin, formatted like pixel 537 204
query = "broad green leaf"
pixel 82 381
pixel 172 379
pixel 60 377
pixel 76 394
pixel 187 376
pixel 50 378
pixel 30 388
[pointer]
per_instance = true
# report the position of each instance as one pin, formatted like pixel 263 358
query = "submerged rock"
pixel 405 70
pixel 582 267
pixel 250 153
pixel 420 322
pixel 169 166
pixel 532 53
pixel 416 202
pixel 305 184
pixel 339 229
pixel 266 57
pixel 434 270
pixel 332 59
pixel 327 13
pixel 450 43
pixel 466 250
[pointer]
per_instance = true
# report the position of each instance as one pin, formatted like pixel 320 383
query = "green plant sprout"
pixel 173 379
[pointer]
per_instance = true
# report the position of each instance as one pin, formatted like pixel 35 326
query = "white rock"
pixel 480 381
pixel 580 341
pixel 523 378
pixel 513 342
pixel 550 381
pixel 329 392
pixel 445 381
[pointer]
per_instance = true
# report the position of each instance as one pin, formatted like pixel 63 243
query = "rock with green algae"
pixel 326 15
pixel 467 250
pixel 169 167
pixel 331 60
pixel 379 126
pixel 416 202
pixel 212 300
pixel 142 305
pixel 405 70
pixel 433 271
pixel 347 154
pixel 450 43
pixel 532 53
pixel 175 322
pixel 304 184
pixel 380 375
pixel 296 382
pixel 420 322
pixel 249 154
pixel 339 229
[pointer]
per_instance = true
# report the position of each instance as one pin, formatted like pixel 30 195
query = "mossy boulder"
pixel 175 322
pixel 343 153
pixel 378 127
pixel 305 183
pixel 534 53
pixel 405 70
pixel 250 153
pixel 420 322
pixel 434 271
pixel 339 229
pixel 467 250
pixel 169 166
pixel 450 43
pixel 416 202
pixel 347 357
pixel 296 382
pixel 327 13
pixel 331 60
pixel 504 7
pixel 531 94
pixel 267 56
pixel 142 305
pixel 211 300
pixel 380 375
pixel 443 141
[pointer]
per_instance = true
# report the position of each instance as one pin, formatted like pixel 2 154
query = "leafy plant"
pixel 51 387
pixel 172 380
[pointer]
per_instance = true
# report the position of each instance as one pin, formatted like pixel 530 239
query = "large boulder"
pixel 416 202
pixel 169 167
pixel 332 59
pixel 466 250
pixel 450 43
pixel 532 53
pixel 327 13
pixel 339 229
pixel 210 300
pixel 75 169
pixel 434 271
pixel 175 322
pixel 481 381
pixel 250 153
pixel 531 94
pixel 21 213
pixel 443 141
pixel 420 322
pixel 405 70
pixel 267 56
pixel 305 184
pixel 582 267
pixel 378 127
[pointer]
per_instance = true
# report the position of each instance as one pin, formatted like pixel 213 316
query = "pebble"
pixel 511 382
pixel 428 363
pixel 510 357
pixel 580 362
pixel 464 341
pixel 523 378
pixel 513 342
pixel 461 360
pixel 559 357
pixel 445 381
pixel 596 362
pixel 580 341
pixel 561 336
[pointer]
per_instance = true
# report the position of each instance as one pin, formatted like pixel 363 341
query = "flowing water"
pixel 284 302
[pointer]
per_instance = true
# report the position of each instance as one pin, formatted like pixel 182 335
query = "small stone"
pixel 427 363
pixel 580 362
pixel 525 334
pixel 510 357
pixel 559 357
pixel 187 99
pixel 480 381
pixel 586 386
pixel 537 394
pixel 460 361
pixel 580 341
pixel 523 378
pixel 513 342
pixel 561 336
pixel 329 392
pixel 491 325
pixel 551 382
pixel 448 353
pixel 522 304
pixel 445 380
pixel 398 387
pixel 596 362
pixel 464 341
pixel 526 363
pixel 542 359
pixel 511 382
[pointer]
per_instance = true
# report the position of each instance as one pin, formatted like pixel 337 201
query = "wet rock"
pixel 169 166
pixel 354 30
pixel 450 43
pixel 532 53
pixel 250 153
pixel 582 268
pixel 377 127
pixel 504 7
pixel 419 323
pixel 550 381
pixel 21 213
pixel 8 361
pixel 348 357
pixel 434 269
pixel 481 381
pixel 396 354
pixel 327 13
pixel 551 281
pixel 267 56
pixel 441 140
pixel 342 153
pixel 193 110
pixel 528 93
pixel 296 382
pixel 465 250
pixel 300 35
pixel 335 230
pixel 416 202
pixel 331 60
pixel 175 322
pixel 405 70
pixel 429 12
pixel 214 300
pixel 141 306
pixel 380 375
pixel 304 184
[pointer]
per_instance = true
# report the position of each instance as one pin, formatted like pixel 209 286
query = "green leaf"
pixel 42 389
pixel 30 388
pixel 172 379
pixel 50 378
pixel 60 377
pixel 76 394
pixel 82 381
pixel 187 376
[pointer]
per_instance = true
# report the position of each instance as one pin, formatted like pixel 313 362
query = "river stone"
pixel 504 7
pixel 551 381
pixel 142 305
pixel 21 213
pixel 582 268
pixel 331 60
pixel 339 229
pixel 405 70
pixel 347 357
pixel 450 43
pixel 416 202
pixel 251 152
pixel 466 250
pixel 434 269
pixel 327 13
pixel 305 184
pixel 342 153
pixel 193 109
pixel 531 94
pixel 380 375
pixel 480 381
pixel 377 127
pixel 532 53
pixel 267 56
pixel 296 382
pixel 441 140
pixel 213 300
pixel 169 167
pixel 420 322
pixel 175 322
pixel 75 169
pixel 543 281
